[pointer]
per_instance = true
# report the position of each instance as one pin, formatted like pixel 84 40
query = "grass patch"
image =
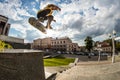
pixel 58 61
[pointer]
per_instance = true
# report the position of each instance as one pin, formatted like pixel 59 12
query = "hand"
pixel 59 9
pixel 54 20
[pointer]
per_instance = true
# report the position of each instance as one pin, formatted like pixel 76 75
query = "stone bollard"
pixel 21 64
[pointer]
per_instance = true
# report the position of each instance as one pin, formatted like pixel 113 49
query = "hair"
pixel 50 5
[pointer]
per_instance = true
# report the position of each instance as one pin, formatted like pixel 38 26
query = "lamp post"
pixel 113 45
pixel 99 50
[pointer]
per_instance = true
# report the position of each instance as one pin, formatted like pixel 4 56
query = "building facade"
pixel 16 43
pixel 42 44
pixel 73 47
pixel 103 46
pixel 4 25
pixel 63 44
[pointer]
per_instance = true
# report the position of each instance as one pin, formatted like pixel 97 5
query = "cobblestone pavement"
pixel 92 71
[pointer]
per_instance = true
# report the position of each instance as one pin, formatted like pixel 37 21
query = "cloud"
pixel 98 18
pixel 117 25
pixel 81 18
pixel 18 17
pixel 77 19
pixel 7 8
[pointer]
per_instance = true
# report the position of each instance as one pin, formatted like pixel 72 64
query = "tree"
pixel 88 43
pixel 118 46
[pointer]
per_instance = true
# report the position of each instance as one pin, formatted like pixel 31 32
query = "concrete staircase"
pixel 91 71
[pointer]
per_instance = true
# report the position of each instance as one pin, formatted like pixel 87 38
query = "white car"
pixel 58 52
pixel 104 54
pixel 92 54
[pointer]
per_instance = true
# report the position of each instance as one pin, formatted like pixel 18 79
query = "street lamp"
pixel 113 44
pixel 99 50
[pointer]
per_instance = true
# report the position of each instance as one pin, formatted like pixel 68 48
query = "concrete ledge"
pixel 50 76
pixel 21 65
pixel 75 62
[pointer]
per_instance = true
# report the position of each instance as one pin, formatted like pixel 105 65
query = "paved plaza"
pixel 92 71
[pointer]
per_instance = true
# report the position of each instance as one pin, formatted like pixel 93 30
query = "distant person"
pixel 89 56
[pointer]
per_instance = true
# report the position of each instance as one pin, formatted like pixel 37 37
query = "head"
pixel 53 7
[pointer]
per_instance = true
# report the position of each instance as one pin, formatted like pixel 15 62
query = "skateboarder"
pixel 46 14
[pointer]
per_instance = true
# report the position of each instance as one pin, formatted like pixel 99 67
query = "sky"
pixel 76 20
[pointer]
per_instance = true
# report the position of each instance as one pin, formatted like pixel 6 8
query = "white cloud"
pixel 22 12
pixel 20 29
pixel 38 1
pixel 14 10
pixel 101 37
pixel 76 20
pixel 33 4
pixel 90 22
pixel 35 10
pixel 8 8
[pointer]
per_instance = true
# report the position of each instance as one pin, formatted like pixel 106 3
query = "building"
pixel 16 43
pixel 36 44
pixel 4 26
pixel 11 39
pixel 103 46
pixel 73 47
pixel 63 44
pixel 42 44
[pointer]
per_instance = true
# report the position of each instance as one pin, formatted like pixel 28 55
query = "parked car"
pixel 86 53
pixel 67 52
pixel 79 53
pixel 104 54
pixel 59 52
pixel 92 54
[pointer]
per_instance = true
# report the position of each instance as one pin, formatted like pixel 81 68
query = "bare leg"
pixel 50 19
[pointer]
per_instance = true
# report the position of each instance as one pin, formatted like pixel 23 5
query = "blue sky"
pixel 77 18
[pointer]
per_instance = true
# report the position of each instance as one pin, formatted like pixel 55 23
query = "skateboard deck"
pixel 35 23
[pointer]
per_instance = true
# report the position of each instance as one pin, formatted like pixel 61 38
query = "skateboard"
pixel 35 23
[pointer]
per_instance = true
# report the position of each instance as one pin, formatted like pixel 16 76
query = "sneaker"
pixel 48 28
pixel 51 27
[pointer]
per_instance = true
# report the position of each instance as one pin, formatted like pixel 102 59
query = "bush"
pixel 4 45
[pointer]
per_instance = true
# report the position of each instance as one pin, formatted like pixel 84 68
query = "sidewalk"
pixel 92 71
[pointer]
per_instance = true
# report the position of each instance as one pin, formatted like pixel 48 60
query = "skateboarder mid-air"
pixel 46 14
pixel 42 15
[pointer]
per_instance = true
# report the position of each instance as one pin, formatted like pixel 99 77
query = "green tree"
pixel 88 43
pixel 118 46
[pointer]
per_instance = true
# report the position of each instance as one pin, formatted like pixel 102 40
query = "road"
pixel 85 58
